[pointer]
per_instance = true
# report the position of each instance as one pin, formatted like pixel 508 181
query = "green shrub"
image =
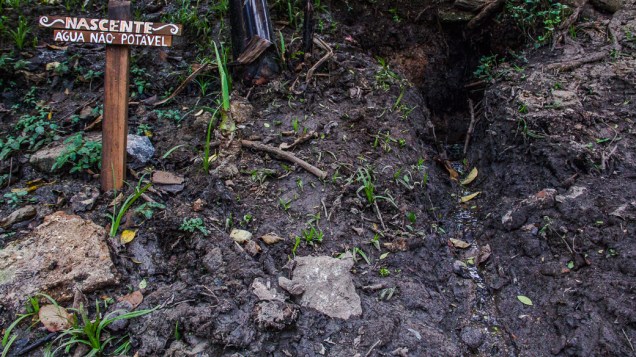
pixel 537 19
pixel 82 154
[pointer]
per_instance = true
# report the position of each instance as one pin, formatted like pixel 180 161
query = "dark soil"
pixel 554 220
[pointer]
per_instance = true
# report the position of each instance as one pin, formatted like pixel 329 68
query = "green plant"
pixel 81 154
pixel 285 204
pixel 487 68
pixel 147 209
pixel 90 331
pixel 115 220
pixel 172 114
pixel 384 272
pixel 20 33
pixel 15 198
pixel 193 224
pixel 32 309
pixel 364 177
pixel 33 131
pixel 296 245
pixel 359 252
pixel 411 217
pixel 144 129
pixel 537 19
pixel 208 138
pixel 312 235
pixel 227 124
pixel 385 77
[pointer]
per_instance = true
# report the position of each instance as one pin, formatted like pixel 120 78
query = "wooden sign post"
pixel 118 32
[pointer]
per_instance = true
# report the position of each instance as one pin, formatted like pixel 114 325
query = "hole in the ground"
pixel 438 57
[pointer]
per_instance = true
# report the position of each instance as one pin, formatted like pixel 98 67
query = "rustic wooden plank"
pixel 112 38
pixel 115 126
pixel 110 25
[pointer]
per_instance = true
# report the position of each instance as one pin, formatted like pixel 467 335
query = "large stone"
pixel 328 285
pixel 62 253
pixel 140 148
pixel 44 159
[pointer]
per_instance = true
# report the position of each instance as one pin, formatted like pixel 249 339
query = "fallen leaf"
pixel 525 300
pixel 451 171
pixel 52 66
pixel 384 255
pixel 128 235
pixel 143 284
pixel 59 48
pixel 484 254
pixel 135 298
pixel 458 243
pixel 271 238
pixel 469 197
pixel 471 176
pixel 166 178
pixel 240 236
pixel 55 318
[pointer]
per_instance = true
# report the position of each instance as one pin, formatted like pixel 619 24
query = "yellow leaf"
pixel 469 197
pixel 471 176
pixel 451 171
pixel 458 243
pixel 128 235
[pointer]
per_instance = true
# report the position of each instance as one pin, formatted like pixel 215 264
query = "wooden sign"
pixel 112 38
pixel 118 32
pixel 109 25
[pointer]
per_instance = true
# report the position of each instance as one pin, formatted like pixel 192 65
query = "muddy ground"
pixel 552 137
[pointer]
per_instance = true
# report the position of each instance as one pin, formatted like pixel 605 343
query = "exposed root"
pixel 285 155
pixel 570 65
pixel 485 13
pixel 322 44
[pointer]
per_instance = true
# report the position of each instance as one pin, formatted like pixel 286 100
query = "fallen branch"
pixel 570 65
pixel 182 85
pixel 285 155
pixel 485 13
pixel 322 44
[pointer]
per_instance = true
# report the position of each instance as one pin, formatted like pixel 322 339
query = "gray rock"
pixel 64 252
pixel 472 337
pixel 264 292
pixel 19 215
pixel 610 6
pixel 140 148
pixel 328 285
pixel 44 159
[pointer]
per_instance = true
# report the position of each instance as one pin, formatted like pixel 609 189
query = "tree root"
pixel 285 155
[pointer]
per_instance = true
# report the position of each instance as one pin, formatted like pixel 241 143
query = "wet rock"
pixel 181 349
pixel 241 109
pixel 166 178
pixel 140 148
pixel 174 189
pixel 44 159
pixel 19 215
pixel 294 288
pixel 472 337
pixel 531 245
pixel 328 285
pixel 625 211
pixel 610 6
pixel 85 199
pixel 274 315
pixel 213 261
pixel 64 252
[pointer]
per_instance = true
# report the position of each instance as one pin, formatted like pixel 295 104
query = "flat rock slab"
pixel 327 284
pixel 64 252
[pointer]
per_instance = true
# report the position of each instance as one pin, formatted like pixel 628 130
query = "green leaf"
pixel 384 255
pixel 524 300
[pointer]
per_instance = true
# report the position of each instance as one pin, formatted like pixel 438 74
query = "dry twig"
pixel 322 44
pixel 285 155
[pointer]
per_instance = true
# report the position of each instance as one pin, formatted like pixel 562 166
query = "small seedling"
pixel 411 217
pixel 285 204
pixel 193 224
pixel 81 154
pixel 116 219
pixel 384 272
